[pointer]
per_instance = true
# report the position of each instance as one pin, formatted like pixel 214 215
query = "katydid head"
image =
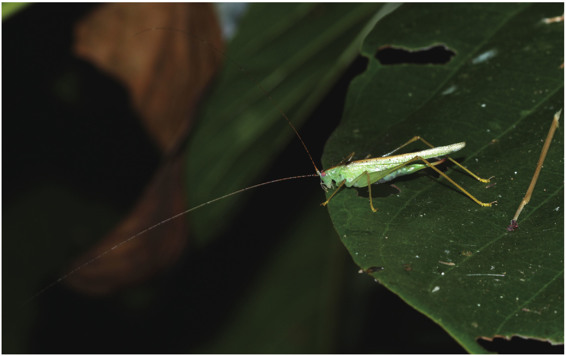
pixel 326 181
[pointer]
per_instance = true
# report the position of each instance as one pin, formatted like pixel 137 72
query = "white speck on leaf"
pixel 449 90
pixel 484 56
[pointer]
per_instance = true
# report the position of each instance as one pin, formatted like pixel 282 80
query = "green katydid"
pixel 364 173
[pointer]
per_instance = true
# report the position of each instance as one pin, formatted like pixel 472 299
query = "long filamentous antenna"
pixel 154 226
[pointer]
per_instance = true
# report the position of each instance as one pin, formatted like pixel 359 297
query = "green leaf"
pixel 12 8
pixel 295 59
pixel 449 258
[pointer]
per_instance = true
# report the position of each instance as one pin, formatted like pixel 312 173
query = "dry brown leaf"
pixel 166 72
pixel 154 50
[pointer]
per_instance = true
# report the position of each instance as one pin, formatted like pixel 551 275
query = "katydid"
pixel 364 173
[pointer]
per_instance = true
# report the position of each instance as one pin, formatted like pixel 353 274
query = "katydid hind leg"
pixel 419 138
pixel 375 177
pixel 430 165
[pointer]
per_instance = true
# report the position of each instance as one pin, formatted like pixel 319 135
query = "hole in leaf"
pixel 438 54
pixel 520 345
